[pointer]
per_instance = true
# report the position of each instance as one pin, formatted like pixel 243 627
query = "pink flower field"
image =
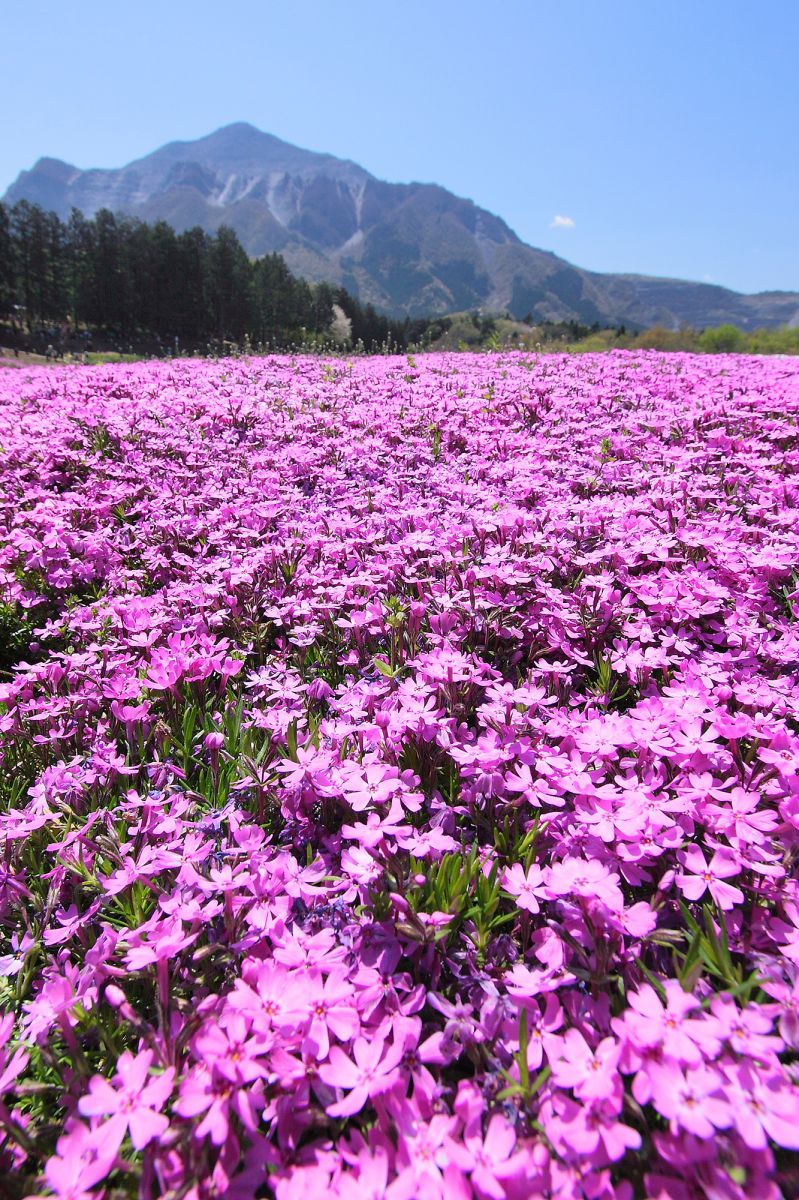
pixel 399 790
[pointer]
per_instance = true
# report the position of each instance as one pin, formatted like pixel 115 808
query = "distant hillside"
pixel 406 248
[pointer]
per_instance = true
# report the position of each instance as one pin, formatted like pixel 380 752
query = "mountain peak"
pixel 238 134
pixel 239 127
pixel 54 166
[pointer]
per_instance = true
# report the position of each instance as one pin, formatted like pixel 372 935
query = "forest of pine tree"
pixel 134 284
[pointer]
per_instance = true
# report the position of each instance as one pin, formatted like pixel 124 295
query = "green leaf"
pixel 653 979
pixel 524 1068
pixel 291 740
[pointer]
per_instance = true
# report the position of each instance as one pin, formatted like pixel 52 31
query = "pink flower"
pixel 424 1164
pixel 324 1006
pixel 591 1073
pixel 587 1132
pixel 204 1091
pixel 136 1103
pixel 526 886
pixel 581 571
pixel 585 878
pixel 373 784
pixel 10 1068
pixel 693 1101
pixel 489 1160
pixel 83 1158
pixel 763 1105
pixel 710 877
pixel 687 1039
pixel 782 754
pixel 372 1179
pixel 418 1056
pixel 540 1022
pixel 747 1030
pixel 230 1049
pixel 374 1070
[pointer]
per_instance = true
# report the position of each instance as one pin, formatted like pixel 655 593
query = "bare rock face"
pixel 407 248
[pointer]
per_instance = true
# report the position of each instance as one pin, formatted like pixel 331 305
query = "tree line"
pixel 130 281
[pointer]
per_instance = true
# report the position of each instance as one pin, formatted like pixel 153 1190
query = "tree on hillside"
pixel 23 232
pixel 79 266
pixel 722 339
pixel 164 280
pixel 322 300
pixel 231 291
pixel 275 298
pixel 107 300
pixel 7 265
pixel 193 304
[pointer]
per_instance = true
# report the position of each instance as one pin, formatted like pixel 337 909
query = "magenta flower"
pixel 231 1051
pixel 373 785
pixel 372 1179
pixel 526 886
pixel 678 1027
pixel 210 1095
pixel 373 1070
pixel 585 878
pixel 693 1101
pixel 83 1159
pixel 590 1133
pixel 746 1030
pixel 488 1160
pixel 166 939
pixel 10 1067
pixel 591 1073
pixel 324 1006
pixel 421 1056
pixel 135 1104
pixel 763 1105
pixel 710 877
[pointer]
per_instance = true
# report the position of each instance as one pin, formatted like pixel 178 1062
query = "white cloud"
pixel 560 222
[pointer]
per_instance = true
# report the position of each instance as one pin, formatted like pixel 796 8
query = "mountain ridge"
pixel 408 248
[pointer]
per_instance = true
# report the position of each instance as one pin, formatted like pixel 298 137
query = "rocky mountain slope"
pixel 407 248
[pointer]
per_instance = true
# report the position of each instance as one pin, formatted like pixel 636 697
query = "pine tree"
pixel 7 266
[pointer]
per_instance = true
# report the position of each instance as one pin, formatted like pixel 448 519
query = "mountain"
pixel 405 247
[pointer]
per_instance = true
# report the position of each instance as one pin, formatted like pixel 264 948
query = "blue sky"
pixel 664 135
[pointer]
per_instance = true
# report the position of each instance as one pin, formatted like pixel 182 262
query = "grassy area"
pixel 110 357
pixel 476 331
pixel 25 358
